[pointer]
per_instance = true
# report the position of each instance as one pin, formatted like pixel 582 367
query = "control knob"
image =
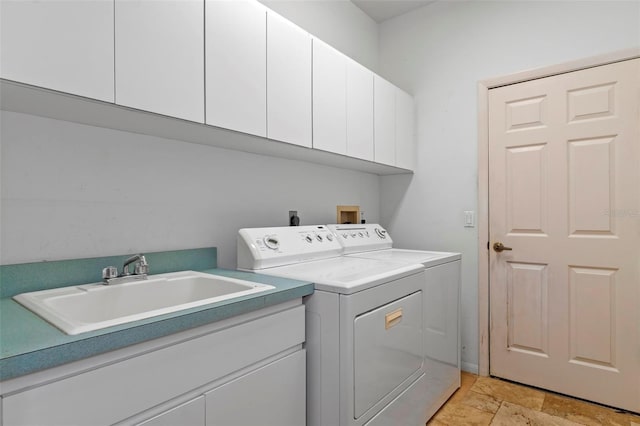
pixel 381 233
pixel 272 242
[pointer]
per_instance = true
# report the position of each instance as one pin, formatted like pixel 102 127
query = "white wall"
pixel 339 23
pixel 439 53
pixel 72 191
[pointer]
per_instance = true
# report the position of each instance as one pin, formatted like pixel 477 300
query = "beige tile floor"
pixel 486 401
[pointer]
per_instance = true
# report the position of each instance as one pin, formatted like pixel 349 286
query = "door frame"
pixel 483 175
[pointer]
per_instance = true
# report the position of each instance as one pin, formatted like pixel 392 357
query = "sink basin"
pixel 88 307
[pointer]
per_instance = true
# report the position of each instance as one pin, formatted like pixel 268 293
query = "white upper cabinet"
pixel 405 138
pixel 288 82
pixel 384 121
pixel 236 65
pixel 329 98
pixel 60 45
pixel 159 56
pixel 359 111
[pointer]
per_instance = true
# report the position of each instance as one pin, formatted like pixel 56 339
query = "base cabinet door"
pixel 188 414
pixel 273 395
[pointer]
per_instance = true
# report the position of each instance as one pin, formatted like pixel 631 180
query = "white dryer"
pixel 441 302
pixel 364 341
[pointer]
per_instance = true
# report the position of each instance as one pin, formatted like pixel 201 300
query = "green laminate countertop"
pixel 29 344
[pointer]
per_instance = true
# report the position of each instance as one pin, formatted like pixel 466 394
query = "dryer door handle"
pixel 392 318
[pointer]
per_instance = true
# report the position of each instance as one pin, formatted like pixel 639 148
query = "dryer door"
pixel 387 349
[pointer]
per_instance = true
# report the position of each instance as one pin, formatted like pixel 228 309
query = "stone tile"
pixel 460 414
pixel 510 392
pixel 466 381
pixel 516 415
pixel 584 412
pixel 481 402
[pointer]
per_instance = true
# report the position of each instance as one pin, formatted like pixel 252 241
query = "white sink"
pixel 88 307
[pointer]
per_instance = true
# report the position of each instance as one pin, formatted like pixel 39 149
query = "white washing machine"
pixel 441 301
pixel 364 341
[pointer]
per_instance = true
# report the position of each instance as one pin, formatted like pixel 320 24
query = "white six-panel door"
pixel 564 194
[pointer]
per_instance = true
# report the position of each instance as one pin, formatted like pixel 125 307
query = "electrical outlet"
pixel 294 220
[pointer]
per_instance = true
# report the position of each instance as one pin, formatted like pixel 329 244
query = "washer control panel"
pixel 361 237
pixel 259 248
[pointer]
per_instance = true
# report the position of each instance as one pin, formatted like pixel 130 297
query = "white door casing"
pixel 564 193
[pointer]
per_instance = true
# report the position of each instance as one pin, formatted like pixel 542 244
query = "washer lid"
pixel 345 275
pixel 427 258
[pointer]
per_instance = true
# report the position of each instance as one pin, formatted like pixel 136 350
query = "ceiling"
pixel 381 10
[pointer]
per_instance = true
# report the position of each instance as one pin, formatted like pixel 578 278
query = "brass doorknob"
pixel 499 247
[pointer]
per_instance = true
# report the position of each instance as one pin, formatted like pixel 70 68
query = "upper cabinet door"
pixel 288 82
pixel 405 137
pixel 385 120
pixel 60 45
pixel 329 98
pixel 359 111
pixel 159 56
pixel 236 65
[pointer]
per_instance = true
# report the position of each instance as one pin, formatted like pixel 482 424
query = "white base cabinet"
pixel 190 413
pixel 273 395
pixel 250 365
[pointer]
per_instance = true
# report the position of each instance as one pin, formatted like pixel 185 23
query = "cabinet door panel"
pixel 236 59
pixel 405 140
pixel 135 384
pixel 359 111
pixel 384 108
pixel 60 45
pixel 188 414
pixel 329 98
pixel 288 82
pixel 159 56
pixel 273 395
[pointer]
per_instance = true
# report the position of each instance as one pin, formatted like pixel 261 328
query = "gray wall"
pixel 439 53
pixel 70 191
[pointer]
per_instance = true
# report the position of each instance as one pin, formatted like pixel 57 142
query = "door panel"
pixel 564 194
pixel 236 65
pixel 288 82
pixel 387 349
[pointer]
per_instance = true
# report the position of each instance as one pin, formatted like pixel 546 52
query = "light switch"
pixel 469 219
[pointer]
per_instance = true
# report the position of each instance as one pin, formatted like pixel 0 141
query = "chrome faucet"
pixel 110 273
pixel 141 268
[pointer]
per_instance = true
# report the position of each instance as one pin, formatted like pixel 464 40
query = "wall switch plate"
pixel 469 219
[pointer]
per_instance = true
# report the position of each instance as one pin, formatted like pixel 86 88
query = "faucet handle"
pixel 141 268
pixel 109 272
